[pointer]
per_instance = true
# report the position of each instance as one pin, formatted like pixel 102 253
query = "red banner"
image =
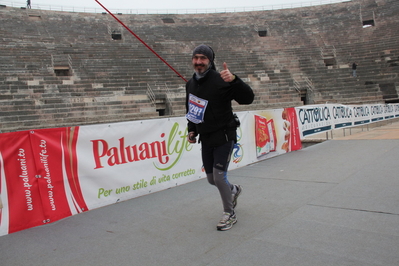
pixel 19 186
pixel 56 163
pixel 38 178
pixel 292 134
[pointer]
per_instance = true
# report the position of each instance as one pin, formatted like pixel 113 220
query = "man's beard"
pixel 204 68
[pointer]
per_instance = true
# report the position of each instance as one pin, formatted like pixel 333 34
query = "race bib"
pixel 196 109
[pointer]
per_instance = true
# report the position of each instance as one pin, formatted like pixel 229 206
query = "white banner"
pixel 125 160
pixel 121 161
pixel 319 118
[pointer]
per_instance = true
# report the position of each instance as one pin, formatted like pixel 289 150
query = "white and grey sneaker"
pixel 235 195
pixel 227 221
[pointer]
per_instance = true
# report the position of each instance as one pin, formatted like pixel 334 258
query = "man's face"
pixel 200 63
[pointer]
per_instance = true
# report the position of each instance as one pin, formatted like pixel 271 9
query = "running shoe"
pixel 227 221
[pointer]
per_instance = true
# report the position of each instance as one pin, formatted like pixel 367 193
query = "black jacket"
pixel 219 94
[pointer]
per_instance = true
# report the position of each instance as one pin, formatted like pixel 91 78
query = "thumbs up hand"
pixel 226 74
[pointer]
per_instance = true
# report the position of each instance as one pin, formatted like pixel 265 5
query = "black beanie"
pixel 205 50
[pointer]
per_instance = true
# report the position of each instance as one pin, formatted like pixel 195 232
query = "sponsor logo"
pixel 314 115
pixel 166 152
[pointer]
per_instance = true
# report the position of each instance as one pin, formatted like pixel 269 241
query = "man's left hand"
pixel 226 74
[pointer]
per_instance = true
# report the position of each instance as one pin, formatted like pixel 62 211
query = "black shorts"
pixel 216 157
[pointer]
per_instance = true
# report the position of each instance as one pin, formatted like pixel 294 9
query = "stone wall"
pixel 63 68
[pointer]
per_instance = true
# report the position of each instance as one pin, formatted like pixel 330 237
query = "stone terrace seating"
pixel 65 68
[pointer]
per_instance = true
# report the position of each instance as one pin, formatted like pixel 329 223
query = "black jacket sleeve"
pixel 243 94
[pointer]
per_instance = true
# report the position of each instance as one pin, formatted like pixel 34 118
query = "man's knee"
pixel 210 179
